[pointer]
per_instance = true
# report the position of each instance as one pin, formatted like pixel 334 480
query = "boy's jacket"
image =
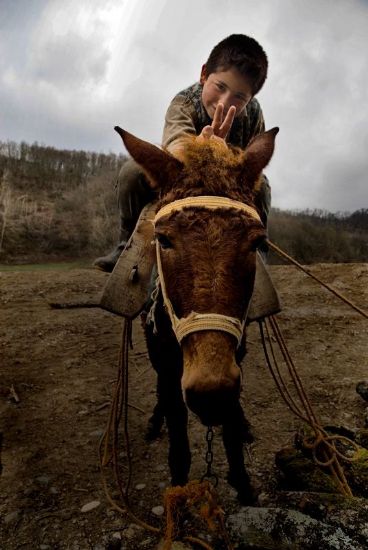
pixel 187 115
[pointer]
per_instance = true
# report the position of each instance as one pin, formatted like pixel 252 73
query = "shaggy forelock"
pixel 211 168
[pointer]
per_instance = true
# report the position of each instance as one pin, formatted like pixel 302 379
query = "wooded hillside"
pixel 313 236
pixel 59 204
pixel 56 203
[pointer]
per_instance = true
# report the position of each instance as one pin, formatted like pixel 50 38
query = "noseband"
pixel 200 321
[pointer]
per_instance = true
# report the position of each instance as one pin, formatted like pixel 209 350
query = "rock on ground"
pixel 280 529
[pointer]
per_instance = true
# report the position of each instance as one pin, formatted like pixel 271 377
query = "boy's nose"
pixel 226 100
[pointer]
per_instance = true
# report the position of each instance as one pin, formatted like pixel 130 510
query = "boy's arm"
pixel 179 122
pixel 256 120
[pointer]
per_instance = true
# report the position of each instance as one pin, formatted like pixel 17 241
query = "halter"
pixel 200 321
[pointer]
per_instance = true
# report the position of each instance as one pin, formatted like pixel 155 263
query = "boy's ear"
pixel 258 154
pixel 160 167
pixel 203 77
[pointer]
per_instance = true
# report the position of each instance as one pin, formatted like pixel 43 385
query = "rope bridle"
pixel 195 322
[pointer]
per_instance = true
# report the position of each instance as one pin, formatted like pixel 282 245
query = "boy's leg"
pixel 133 193
pixel 263 199
pixel 263 202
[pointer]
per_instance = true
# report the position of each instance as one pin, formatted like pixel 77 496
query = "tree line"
pixel 61 204
pixel 40 166
pixel 313 236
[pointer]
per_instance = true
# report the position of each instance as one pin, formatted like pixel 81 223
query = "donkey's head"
pixel 207 254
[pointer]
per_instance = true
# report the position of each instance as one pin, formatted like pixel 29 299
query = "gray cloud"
pixel 70 71
pixel 69 61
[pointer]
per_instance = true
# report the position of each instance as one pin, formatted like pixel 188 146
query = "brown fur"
pixel 210 168
pixel 210 268
pixel 209 256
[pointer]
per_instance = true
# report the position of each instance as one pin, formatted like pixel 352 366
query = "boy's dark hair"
pixel 245 54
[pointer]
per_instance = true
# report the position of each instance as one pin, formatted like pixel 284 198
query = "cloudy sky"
pixel 71 70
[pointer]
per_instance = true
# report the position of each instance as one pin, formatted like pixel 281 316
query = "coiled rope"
pixel 322 445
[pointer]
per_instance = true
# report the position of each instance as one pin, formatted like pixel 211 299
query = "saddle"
pixel 129 286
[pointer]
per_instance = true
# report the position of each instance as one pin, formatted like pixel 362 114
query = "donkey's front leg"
pixel 167 360
pixel 233 437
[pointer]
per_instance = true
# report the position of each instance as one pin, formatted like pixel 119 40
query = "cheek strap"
pixel 197 321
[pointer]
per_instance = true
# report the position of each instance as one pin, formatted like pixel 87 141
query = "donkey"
pixel 207 231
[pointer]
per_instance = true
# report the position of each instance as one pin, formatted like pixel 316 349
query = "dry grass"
pixel 81 221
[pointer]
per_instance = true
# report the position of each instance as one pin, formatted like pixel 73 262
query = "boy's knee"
pixel 129 176
pixel 265 192
pixel 263 199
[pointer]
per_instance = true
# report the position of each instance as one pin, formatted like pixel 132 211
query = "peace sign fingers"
pixel 221 126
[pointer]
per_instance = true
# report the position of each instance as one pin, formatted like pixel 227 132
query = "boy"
pixel 221 104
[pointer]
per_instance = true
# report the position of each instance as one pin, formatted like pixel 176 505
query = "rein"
pixel 195 322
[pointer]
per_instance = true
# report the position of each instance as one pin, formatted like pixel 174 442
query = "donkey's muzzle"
pixel 211 377
pixel 213 405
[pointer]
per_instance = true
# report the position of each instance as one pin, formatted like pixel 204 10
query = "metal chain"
pixel 209 458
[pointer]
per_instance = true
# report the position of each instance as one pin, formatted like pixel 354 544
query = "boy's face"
pixel 229 87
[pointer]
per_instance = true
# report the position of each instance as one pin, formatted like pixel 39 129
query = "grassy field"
pixel 59 266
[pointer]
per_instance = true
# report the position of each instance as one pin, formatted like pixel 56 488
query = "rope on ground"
pixel 322 445
pixel 283 254
pixel 193 494
pixel 200 498
pixel 108 448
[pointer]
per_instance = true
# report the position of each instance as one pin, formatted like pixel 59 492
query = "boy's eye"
pixel 220 87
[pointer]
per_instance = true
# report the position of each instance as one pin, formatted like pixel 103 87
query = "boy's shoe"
pixel 107 263
pixel 362 389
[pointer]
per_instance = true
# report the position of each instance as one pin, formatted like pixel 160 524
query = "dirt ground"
pixel 62 365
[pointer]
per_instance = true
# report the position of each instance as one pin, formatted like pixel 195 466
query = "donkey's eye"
pixel 258 242
pixel 163 240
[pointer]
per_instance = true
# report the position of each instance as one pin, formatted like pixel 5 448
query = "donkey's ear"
pixel 258 154
pixel 160 167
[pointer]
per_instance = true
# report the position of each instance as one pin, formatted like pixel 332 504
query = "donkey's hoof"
pixel 362 389
pixel 246 493
pixel 179 480
pixel 248 497
pixel 154 431
pixel 246 432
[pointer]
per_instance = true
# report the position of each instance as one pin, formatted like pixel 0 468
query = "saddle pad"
pixel 126 290
pixel 264 301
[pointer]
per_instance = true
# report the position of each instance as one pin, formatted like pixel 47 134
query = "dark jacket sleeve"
pixel 256 124
pixel 263 190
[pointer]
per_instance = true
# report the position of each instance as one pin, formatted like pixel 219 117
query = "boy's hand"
pixel 221 125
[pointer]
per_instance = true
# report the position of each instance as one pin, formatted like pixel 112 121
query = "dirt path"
pixel 62 365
